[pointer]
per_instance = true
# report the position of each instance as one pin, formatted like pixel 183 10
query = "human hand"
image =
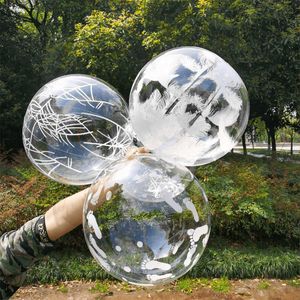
pixel 65 215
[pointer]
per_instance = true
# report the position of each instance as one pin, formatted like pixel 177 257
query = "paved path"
pixel 279 146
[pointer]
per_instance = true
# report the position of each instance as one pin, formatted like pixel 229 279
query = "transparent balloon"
pixel 189 106
pixel 146 221
pixel 74 126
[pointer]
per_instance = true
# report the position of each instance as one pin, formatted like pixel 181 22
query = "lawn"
pixel 255 206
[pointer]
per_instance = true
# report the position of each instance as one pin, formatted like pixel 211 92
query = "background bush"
pixel 255 219
pixel 251 199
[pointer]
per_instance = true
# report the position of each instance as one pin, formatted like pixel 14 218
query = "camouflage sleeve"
pixel 19 250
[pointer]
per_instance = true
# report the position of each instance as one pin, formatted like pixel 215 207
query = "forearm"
pixel 65 215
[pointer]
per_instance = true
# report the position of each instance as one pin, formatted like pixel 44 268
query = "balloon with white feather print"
pixel 189 106
pixel 74 126
pixel 146 221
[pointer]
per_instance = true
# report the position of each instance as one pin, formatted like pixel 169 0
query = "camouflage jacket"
pixel 20 249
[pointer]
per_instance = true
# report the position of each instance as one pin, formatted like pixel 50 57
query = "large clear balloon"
pixel 146 221
pixel 189 106
pixel 73 126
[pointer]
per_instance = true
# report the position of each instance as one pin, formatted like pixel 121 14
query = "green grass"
pixel 217 261
pixel 100 287
pixel 255 202
pixel 220 285
pixel 62 288
pixel 263 285
pixel 126 287
pixel 294 282
pixel 186 285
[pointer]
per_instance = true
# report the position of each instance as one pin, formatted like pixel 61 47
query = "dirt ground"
pixel 239 290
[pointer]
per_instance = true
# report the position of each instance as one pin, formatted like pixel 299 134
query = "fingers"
pixel 100 190
pixel 134 151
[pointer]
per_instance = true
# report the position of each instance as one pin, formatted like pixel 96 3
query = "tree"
pixel 269 31
pixel 113 39
pixel 293 126
pixel 37 13
pixel 35 39
pixel 16 78
pixel 109 45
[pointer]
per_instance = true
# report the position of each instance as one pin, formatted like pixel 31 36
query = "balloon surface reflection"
pixel 189 106
pixel 74 126
pixel 146 221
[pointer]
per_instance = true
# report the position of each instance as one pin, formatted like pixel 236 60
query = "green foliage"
pixel 220 285
pixel 114 39
pixel 109 212
pixel 186 285
pixel 294 282
pixel 26 193
pixel 53 193
pixel 49 191
pixel 263 285
pixel 16 77
pixel 154 214
pixel 276 215
pixel 117 36
pixel 238 193
pixel 253 198
pixel 62 288
pixel 250 198
pixel 65 266
pixel 100 287
pixel 219 260
pixel 247 261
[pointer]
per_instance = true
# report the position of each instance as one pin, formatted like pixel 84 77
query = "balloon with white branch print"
pixel 74 126
pixel 146 221
pixel 189 106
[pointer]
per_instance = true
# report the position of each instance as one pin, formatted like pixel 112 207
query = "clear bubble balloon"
pixel 189 106
pixel 73 126
pixel 146 221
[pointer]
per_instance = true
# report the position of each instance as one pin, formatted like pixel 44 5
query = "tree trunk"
pixel 252 138
pixel 269 140
pixel 273 140
pixel 292 141
pixel 244 144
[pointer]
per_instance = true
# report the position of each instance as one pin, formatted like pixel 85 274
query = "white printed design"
pixel 165 188
pixel 195 235
pixel 140 244
pixel 190 206
pixel 185 103
pixel 92 222
pixel 148 264
pixel 158 186
pixel 127 269
pixel 155 277
pixel 45 122
pixel 95 250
